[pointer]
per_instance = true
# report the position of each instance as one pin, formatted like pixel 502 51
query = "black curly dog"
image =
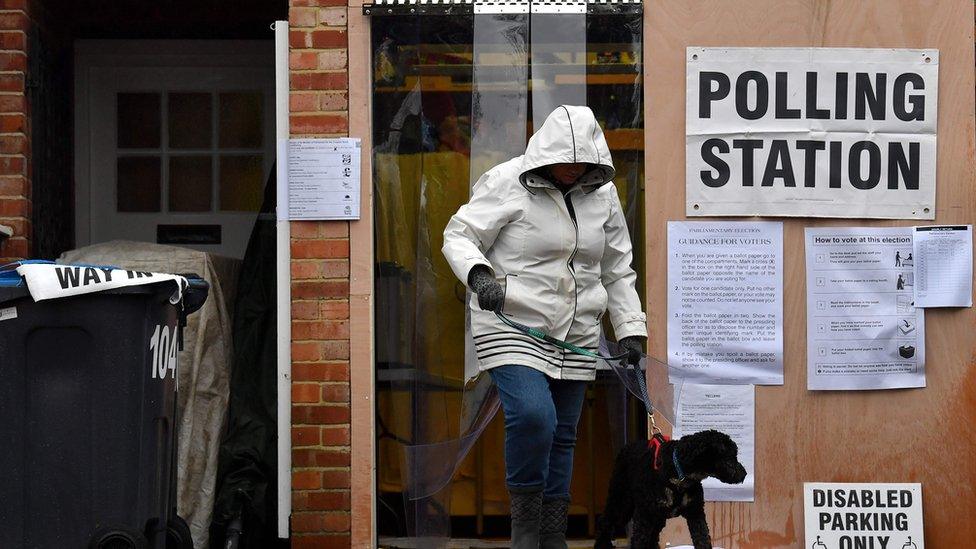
pixel 652 495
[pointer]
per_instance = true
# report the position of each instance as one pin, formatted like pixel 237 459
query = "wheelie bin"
pixel 88 416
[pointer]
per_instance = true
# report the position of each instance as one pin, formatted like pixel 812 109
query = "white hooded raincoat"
pixel 563 260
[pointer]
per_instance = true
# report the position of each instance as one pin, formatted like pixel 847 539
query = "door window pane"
pixel 190 183
pixel 190 121
pixel 241 183
pixel 138 184
pixel 241 120
pixel 138 120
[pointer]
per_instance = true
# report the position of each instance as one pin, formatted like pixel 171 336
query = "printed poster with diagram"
pixel 863 329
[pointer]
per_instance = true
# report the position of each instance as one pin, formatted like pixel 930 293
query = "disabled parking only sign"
pixel 863 516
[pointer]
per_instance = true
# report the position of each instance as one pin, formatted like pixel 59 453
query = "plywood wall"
pixel 921 435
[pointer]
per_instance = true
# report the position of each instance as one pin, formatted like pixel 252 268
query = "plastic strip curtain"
pixel 428 152
pixel 412 195
pixel 498 132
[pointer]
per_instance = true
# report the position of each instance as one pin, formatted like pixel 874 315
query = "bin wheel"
pixel 112 537
pixel 178 534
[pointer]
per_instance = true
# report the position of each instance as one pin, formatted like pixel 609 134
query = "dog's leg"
pixel 698 527
pixel 619 507
pixel 647 531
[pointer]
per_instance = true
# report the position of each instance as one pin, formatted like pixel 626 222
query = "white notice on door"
pixel 943 266
pixel 324 178
pixel 863 329
pixel 872 516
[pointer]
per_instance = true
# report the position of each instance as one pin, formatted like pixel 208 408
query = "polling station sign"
pixel 863 516
pixel 823 132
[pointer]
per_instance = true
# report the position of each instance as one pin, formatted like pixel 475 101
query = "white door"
pixel 174 147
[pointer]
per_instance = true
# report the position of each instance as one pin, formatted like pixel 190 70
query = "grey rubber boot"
pixel 552 527
pixel 526 514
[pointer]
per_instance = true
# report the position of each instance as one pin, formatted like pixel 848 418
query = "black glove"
pixel 634 345
pixel 482 282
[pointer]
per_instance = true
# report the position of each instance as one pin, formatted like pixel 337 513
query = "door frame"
pixel 91 55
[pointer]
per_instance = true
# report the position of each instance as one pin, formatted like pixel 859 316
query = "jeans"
pixel 540 428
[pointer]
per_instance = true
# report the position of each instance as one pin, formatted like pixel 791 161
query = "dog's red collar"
pixel 655 444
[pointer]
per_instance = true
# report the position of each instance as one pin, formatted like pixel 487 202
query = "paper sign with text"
pixel 863 516
pixel 826 132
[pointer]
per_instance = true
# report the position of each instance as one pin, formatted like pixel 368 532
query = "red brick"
pixel 323 541
pixel 305 392
pixel 12 165
pixel 13 186
pixel 17 61
pixel 335 436
pixel 319 81
pixel 305 310
pixel 13 40
pixel 335 480
pixel 305 351
pixel 299 39
pixel 335 350
pixel 301 457
pixel 317 3
pixel 14 21
pixel 12 103
pixel 307 522
pixel 12 123
pixel 329 501
pixel 304 270
pixel 302 102
pixel 306 480
pixel 15 207
pixel 304 124
pixel 15 248
pixel 299 17
pixel 320 249
pixel 13 5
pixel 337 393
pixel 322 329
pixel 329 39
pixel 320 289
pixel 319 415
pixel 337 522
pixel 319 371
pixel 305 436
pixel 303 60
pixel 21 226
pixel 13 144
pixel 12 83
pixel 319 269
pixel 334 309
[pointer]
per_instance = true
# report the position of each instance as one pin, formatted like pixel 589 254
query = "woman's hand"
pixel 634 345
pixel 491 297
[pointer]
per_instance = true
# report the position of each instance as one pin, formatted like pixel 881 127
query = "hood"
pixel 570 134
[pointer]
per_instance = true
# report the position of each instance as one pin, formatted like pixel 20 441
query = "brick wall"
pixel 15 205
pixel 320 292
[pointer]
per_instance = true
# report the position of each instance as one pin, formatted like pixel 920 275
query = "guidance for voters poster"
pixel 863 329
pixel 725 302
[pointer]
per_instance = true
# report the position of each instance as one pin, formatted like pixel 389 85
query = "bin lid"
pixel 13 285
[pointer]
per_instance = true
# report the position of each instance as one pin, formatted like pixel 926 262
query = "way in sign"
pixel 76 277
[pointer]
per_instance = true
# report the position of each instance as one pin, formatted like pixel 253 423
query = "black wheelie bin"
pixel 88 416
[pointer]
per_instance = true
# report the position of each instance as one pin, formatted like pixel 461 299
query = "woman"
pixel 543 240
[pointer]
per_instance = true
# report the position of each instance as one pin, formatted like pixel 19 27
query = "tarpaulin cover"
pixel 204 364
